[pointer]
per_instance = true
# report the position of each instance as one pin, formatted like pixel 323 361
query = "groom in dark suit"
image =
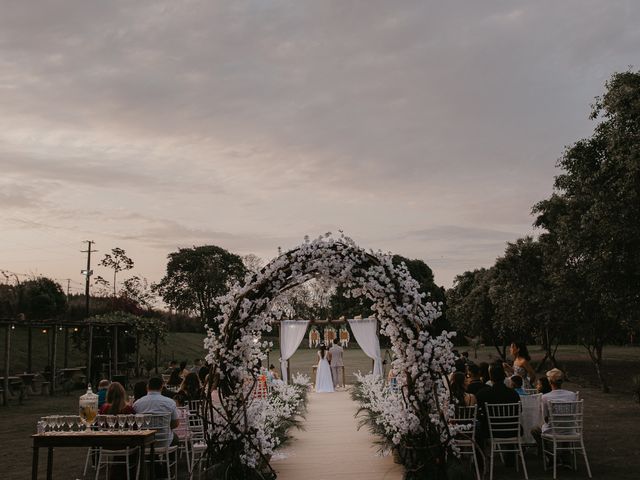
pixel 336 362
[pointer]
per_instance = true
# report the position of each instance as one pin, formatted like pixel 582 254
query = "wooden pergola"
pixel 56 325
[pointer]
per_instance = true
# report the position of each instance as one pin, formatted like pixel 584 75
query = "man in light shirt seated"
pixel 557 394
pixel 157 404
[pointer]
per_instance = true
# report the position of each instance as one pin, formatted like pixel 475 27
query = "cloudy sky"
pixel 425 128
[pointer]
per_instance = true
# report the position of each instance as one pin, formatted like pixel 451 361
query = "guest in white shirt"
pixel 156 403
pixel 557 394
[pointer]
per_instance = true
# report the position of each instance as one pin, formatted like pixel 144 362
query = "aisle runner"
pixel 330 447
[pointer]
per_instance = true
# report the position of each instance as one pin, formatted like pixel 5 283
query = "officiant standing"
pixel 336 362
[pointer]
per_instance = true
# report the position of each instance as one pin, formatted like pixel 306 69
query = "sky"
pixel 424 128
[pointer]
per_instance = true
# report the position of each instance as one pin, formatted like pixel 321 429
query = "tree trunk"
pixel 595 353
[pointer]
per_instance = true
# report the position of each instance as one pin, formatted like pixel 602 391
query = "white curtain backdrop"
pixel 365 331
pixel 291 334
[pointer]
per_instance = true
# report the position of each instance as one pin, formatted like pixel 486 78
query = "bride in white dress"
pixel 324 382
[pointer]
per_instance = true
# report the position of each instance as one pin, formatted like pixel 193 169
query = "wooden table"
pixel 27 379
pixel 112 440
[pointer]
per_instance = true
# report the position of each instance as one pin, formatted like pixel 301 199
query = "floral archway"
pixel 240 443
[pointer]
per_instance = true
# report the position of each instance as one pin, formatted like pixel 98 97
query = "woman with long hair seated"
pixel 457 390
pixel 190 390
pixel 116 402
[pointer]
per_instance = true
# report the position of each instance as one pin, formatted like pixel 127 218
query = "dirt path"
pixel 331 448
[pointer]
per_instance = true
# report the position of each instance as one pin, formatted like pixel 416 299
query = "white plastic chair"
pixel 565 433
pixel 466 441
pixel 165 454
pixel 504 432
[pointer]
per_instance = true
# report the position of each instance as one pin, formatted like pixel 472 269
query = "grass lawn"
pixel 612 425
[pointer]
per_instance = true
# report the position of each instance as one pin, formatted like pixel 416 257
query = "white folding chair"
pixel 565 433
pixel 183 434
pixel 504 432
pixel 166 455
pixel 108 458
pixel 531 391
pixel 466 440
pixel 198 443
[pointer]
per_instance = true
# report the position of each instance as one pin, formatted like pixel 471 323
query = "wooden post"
pixel 89 356
pixel 156 352
pixel 54 349
pixel 7 357
pixel 29 348
pixel 137 353
pixel 115 350
pixel 288 372
pixel 66 347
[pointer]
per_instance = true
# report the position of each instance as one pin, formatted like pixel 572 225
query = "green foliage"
pixel 471 310
pixel 196 276
pixel 149 328
pixel 40 298
pixel 592 218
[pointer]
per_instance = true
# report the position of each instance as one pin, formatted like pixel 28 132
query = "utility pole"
pixel 87 273
pixel 66 331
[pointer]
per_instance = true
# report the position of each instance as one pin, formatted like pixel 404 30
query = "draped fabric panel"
pixel 365 331
pixel 291 334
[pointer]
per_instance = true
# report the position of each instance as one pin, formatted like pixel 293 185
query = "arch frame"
pixel 422 356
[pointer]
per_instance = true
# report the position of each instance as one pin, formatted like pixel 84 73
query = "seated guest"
pixel 203 372
pixel 175 380
pixel 496 393
pixel 474 381
pixel 156 403
pixel 197 365
pixel 484 373
pixel 183 369
pixel 543 386
pixel 190 390
pixel 457 391
pixel 460 365
pixel 274 372
pixel 116 401
pixel 103 386
pixel 139 390
pixel 516 384
pixel 557 394
pixel 172 366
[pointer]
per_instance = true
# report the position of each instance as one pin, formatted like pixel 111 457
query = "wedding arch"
pixel 239 440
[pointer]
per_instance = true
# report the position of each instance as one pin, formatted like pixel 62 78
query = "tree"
pixel 41 298
pixel 471 309
pixel 137 289
pixel 118 261
pixel 196 276
pixel 592 218
pixel 529 300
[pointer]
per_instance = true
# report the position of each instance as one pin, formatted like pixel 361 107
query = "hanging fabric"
pixel 291 335
pixel 365 331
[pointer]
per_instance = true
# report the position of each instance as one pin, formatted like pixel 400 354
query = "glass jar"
pixel 88 407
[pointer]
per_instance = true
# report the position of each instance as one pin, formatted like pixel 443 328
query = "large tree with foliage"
pixel 593 215
pixel 40 298
pixel 471 310
pixel 530 299
pixel 196 277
